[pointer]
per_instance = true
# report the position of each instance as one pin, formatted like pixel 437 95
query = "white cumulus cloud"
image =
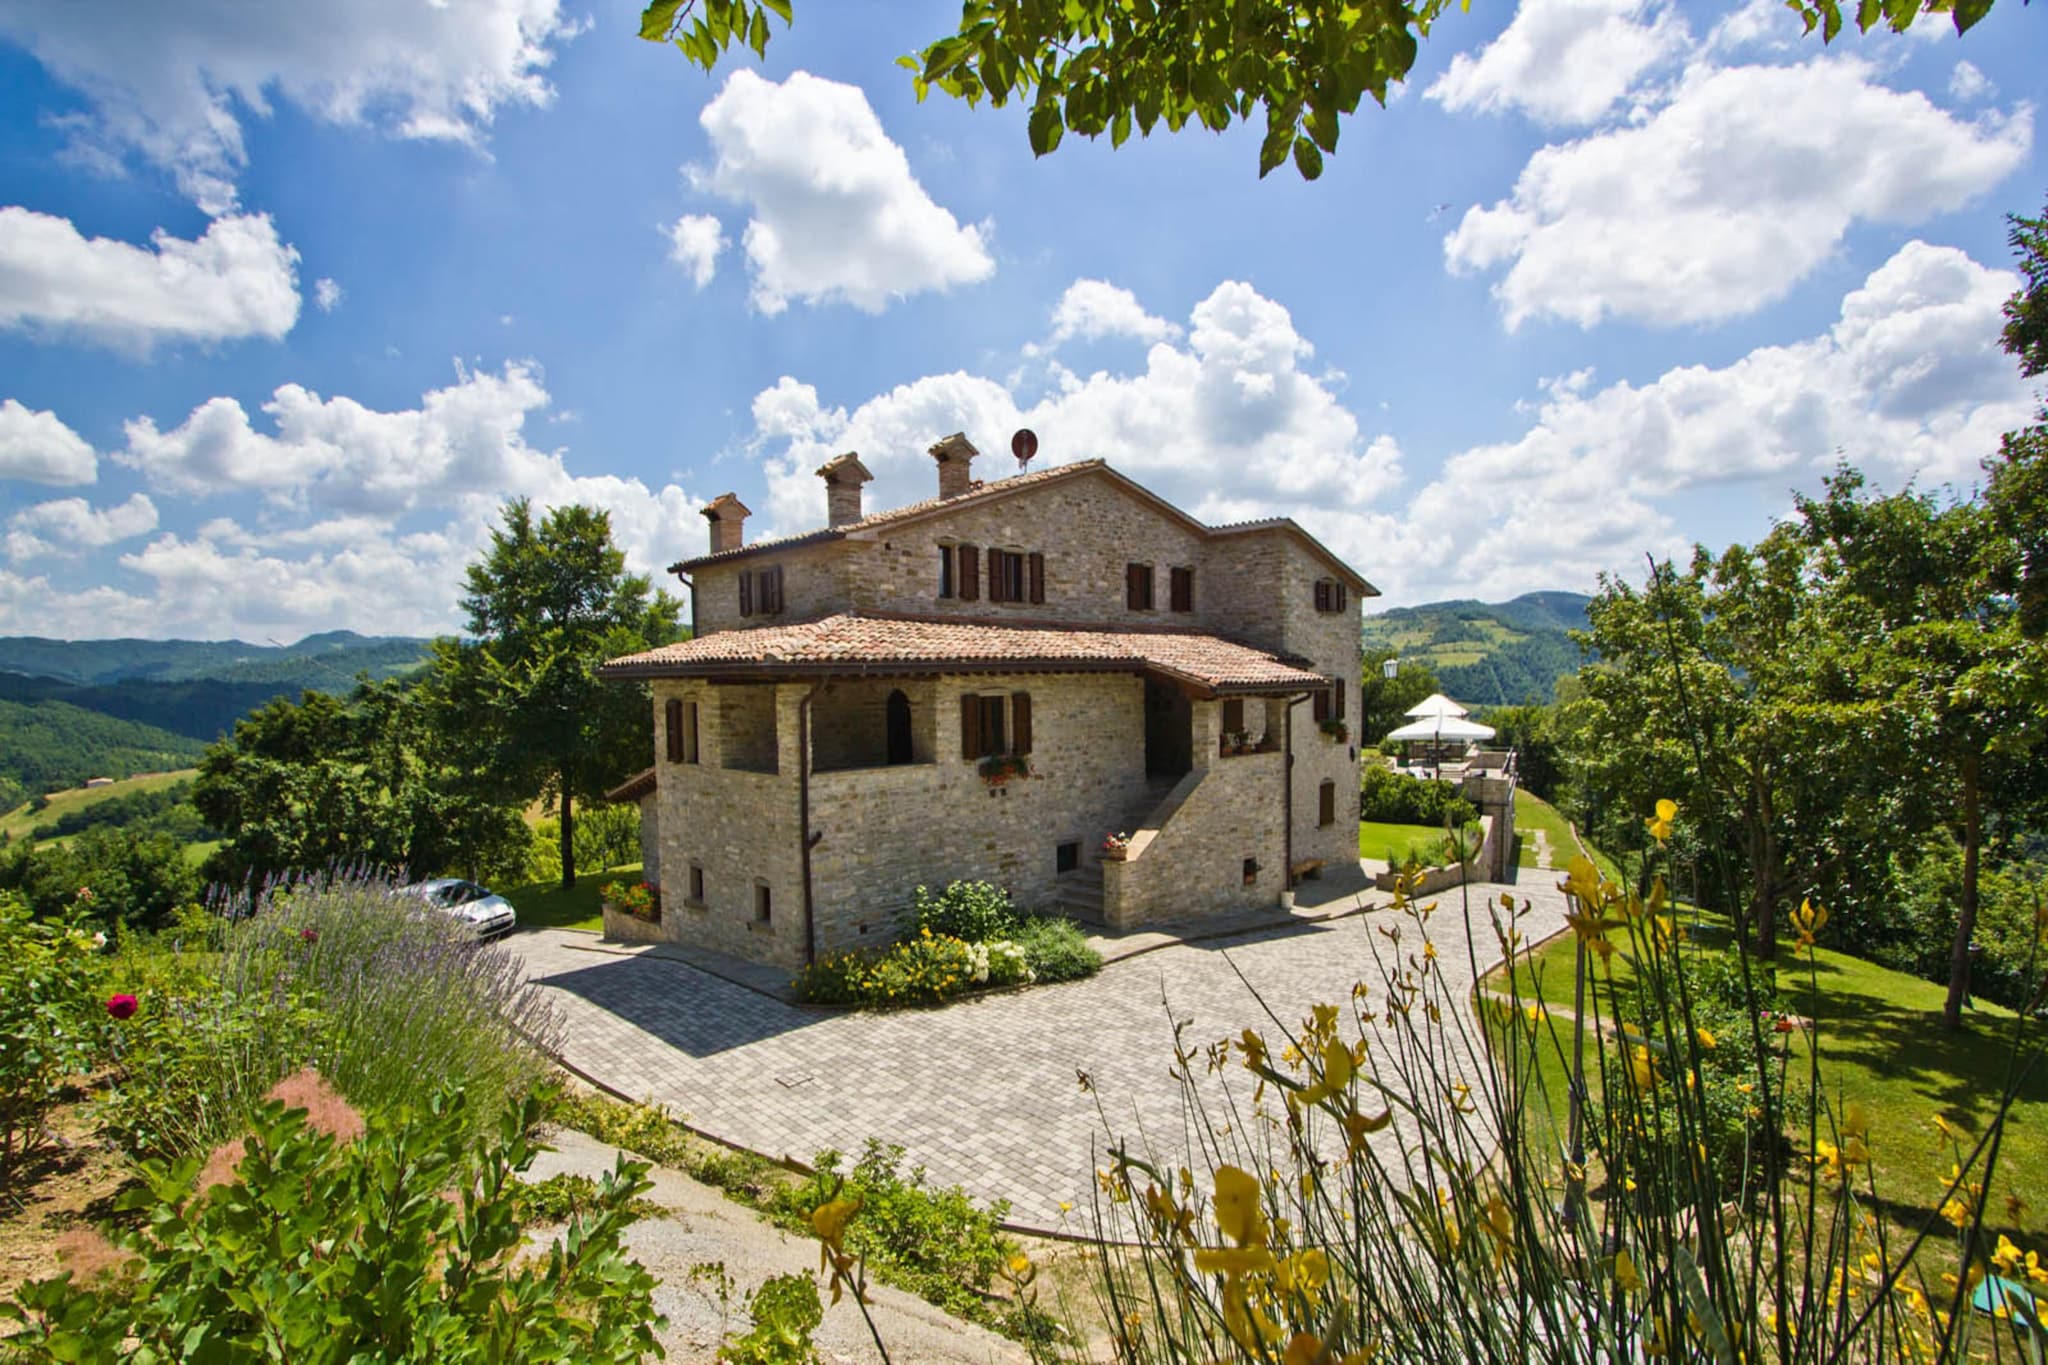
pixel 39 448
pixel 69 525
pixel 1728 195
pixel 327 295
pixel 176 82
pixel 236 280
pixel 694 241
pixel 837 215
pixel 1563 62
pixel 1090 309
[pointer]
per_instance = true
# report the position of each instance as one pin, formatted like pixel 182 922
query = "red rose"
pixel 121 1006
pixel 309 935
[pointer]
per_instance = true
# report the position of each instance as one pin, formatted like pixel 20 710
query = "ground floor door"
pixel 1169 730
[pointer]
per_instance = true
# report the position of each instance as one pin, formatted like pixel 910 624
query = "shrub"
pixel 406 1244
pixel 1398 799
pixel 136 880
pixel 835 978
pixel 924 969
pixel 974 911
pixel 1056 949
pixel 47 1026
pixel 933 1242
pixel 785 1312
pixel 634 898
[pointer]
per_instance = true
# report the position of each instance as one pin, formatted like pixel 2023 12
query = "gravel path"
pixel 982 1093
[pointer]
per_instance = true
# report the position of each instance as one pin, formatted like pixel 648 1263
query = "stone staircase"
pixel 1078 894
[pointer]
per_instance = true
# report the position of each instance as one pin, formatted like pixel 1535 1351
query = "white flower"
pixel 99 939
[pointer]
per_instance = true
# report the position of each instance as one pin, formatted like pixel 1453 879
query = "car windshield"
pixel 462 893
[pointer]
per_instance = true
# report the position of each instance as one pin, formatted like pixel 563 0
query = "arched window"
pixel 897 720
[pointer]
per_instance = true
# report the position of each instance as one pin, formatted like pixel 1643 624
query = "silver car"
pixel 490 914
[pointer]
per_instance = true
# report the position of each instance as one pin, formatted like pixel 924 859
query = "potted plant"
pixel 641 901
pixel 1115 847
pixel 1336 730
pixel 1267 744
pixel 997 769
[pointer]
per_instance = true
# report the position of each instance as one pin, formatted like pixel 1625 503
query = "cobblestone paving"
pixel 982 1093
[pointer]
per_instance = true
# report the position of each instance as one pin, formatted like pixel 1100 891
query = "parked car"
pixel 489 913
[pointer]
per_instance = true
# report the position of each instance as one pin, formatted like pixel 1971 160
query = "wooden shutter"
pixel 1037 577
pixel 746 593
pixel 998 576
pixel 1322 594
pixel 1341 594
pixel 1321 705
pixel 945 571
pixel 1133 586
pixel 970 726
pixel 672 729
pixel 690 732
pixel 970 573
pixel 1339 710
pixel 1233 716
pixel 1183 590
pixel 1020 723
pixel 1326 803
pixel 771 582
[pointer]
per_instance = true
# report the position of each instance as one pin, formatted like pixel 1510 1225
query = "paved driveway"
pixel 982 1093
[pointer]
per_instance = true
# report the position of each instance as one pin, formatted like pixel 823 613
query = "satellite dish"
pixel 1024 445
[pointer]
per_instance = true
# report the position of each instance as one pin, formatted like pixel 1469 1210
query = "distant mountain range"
pixel 73 709
pixel 1488 653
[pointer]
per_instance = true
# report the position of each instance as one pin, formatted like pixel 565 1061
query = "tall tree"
pixel 1383 702
pixel 520 697
pixel 1118 66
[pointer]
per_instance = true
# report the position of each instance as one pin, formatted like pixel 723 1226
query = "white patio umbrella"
pixel 1440 728
pixel 1437 704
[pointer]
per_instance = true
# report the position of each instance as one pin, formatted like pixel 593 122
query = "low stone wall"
pixel 1443 878
pixel 1223 814
pixel 624 928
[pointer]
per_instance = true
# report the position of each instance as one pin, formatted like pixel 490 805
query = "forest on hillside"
pixel 1486 653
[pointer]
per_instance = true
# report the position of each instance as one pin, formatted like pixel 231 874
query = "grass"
pixel 19 821
pixel 1533 813
pixel 1393 843
pixel 1881 1043
pixel 545 905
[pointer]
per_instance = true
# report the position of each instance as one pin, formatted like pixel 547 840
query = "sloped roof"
pixel 633 788
pixel 849 643
pixel 982 493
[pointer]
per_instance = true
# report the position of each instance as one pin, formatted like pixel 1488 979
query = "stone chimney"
pixel 954 454
pixel 843 476
pixel 728 518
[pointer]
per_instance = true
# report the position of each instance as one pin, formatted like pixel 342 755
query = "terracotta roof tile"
pixel 633 788
pixel 852 643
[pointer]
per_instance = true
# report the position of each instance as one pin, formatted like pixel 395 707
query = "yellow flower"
pixel 1642 1068
pixel 2007 1257
pixel 1238 1214
pixel 829 1220
pixel 1706 1037
pixel 1582 881
pixel 1855 1120
pixel 1233 1260
pixel 1304 1349
pixel 1625 1275
pixel 1808 920
pixel 1660 824
pixel 1948 1130
pixel 1357 1127
pixel 1311 1269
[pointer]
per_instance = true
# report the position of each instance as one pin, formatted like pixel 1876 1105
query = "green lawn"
pixel 1881 1043
pixel 19 821
pixel 1393 843
pixel 545 905
pixel 1532 813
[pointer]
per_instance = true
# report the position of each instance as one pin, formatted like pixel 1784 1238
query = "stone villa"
pixel 985 685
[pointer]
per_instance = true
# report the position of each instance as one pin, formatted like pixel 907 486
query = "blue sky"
pixel 291 299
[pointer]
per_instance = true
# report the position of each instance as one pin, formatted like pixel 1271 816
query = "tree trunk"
pixel 568 837
pixel 1966 913
pixel 1760 931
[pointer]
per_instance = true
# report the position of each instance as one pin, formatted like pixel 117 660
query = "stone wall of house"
pixel 738 827
pixel 884 832
pixel 745 721
pixel 650 838
pixel 1330 641
pixel 850 728
pixel 1219 844
pixel 813 585
pixel 1087 528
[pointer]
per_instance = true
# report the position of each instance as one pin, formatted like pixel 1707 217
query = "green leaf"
pixel 1968 12
pixel 1308 158
pixel 1046 127
pixel 657 19
pixel 757 32
pixel 1279 137
pixel 1120 128
pixel 781 8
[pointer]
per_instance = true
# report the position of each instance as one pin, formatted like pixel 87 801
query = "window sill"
pixel 760 926
pixel 699 906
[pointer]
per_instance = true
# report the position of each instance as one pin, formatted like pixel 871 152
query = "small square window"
pixel 763 908
pixel 696 884
pixel 1067 857
pixel 1251 871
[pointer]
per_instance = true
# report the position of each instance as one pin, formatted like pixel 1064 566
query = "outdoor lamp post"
pixel 1390 669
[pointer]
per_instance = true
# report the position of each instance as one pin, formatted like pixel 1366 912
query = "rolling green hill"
pixel 1488 653
pixel 73 709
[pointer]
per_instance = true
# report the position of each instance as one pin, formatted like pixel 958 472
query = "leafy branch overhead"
pixel 1117 66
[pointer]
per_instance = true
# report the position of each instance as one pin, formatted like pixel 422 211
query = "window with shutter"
pixel 1138 587
pixel 945 571
pixel 1321 705
pixel 992 728
pixel 1020 722
pixel 1341 592
pixel 1182 596
pixel 672 729
pixel 970 573
pixel 689 732
pixel 769 593
pixel 1338 710
pixel 1326 803
pixel 1322 594
pixel 1037 577
pixel 746 593
pixel 998 581
pixel 970 726
pixel 1233 716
